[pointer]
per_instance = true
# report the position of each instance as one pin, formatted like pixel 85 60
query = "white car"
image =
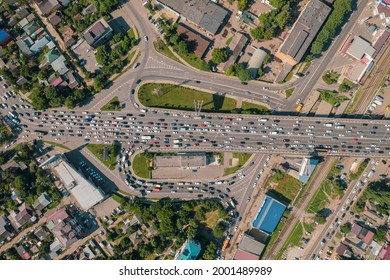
pixel 146 38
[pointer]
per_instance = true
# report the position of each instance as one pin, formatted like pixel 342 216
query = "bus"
pixel 40 132
pixel 146 137
pixel 322 149
pixel 299 107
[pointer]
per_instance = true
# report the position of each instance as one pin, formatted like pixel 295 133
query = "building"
pixel 25 214
pixel 54 19
pixel 189 251
pixel 256 61
pixel 383 11
pixel 98 33
pixel 235 48
pixel 382 40
pixel 303 32
pixel 269 215
pixel 6 230
pixel 182 160
pixel 5 37
pixel 201 44
pixel 41 232
pixel 362 53
pixel 248 249
pixel 204 13
pixel 41 202
pixel 307 168
pixel 360 48
pixel 47 6
pixel 84 191
pixel 65 225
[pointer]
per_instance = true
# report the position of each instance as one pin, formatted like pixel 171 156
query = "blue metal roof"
pixel 3 35
pixel 269 216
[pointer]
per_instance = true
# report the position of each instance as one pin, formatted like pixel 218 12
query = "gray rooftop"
pixel 250 245
pixel 256 61
pixel 305 29
pixel 204 13
pixel 359 47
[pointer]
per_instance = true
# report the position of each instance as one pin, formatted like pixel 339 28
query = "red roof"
pixel 59 215
pixel 242 255
pixel 368 237
pixel 56 82
pixel 201 44
pixel 387 254
pixel 54 19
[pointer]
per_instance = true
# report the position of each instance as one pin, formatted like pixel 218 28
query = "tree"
pixel 319 218
pixel 244 75
pixel 242 4
pixel 99 82
pixel 230 71
pixel 260 72
pixel 219 55
pixel 345 228
pixel 182 47
pixel 282 19
pixel 209 253
pixel 381 234
pixel 219 230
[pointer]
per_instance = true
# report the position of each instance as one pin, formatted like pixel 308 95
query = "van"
pixel 136 105
pixel 329 124
pixel 143 110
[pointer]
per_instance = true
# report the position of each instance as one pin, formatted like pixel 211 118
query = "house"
pixel 150 231
pixel 25 214
pixel 235 47
pixel 6 230
pixel 55 18
pixel 72 81
pixel 47 6
pixel 41 232
pixel 40 44
pixel 65 3
pixel 59 65
pixel 32 29
pixel 22 252
pixel 5 37
pixel 303 32
pixel 344 251
pixel 22 13
pixel 201 44
pixel 55 248
pixel 137 237
pixel 41 202
pixel 204 13
pixel 52 55
pixel 64 224
pixel 21 81
pixel 90 9
pixel 98 33
pixel 383 11
pixel 24 45
pixel 189 251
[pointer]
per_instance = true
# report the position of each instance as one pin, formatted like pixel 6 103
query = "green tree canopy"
pixel 219 55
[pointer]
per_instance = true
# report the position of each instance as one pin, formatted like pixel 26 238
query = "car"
pixel 265 88
pixel 235 228
pixel 298 101
pixel 136 65
pixel 146 38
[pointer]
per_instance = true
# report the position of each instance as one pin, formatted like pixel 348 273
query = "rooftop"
pixel 269 216
pixel 251 245
pixel 303 32
pixel 201 44
pixel 85 192
pixel 204 13
pixel 360 47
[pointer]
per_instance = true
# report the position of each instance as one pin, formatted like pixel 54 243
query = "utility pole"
pixel 198 107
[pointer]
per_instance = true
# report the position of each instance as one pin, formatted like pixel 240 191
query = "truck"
pixel 40 132
pixel 120 118
pixel 177 141
pixel 372 172
pixel 263 120
pixel 299 107
pixel 124 158
pixel 177 145
pixel 328 124
pixel 146 137
pixel 339 126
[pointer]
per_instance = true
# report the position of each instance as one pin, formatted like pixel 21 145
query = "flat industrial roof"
pixel 270 214
pixel 360 47
pixel 86 193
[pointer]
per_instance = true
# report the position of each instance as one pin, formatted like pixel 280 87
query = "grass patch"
pixel 318 201
pixel 289 76
pixel 307 65
pixel 212 218
pixel 178 97
pixel 346 85
pixel 254 108
pixel 357 96
pixel 308 227
pixel 194 61
pixel 362 166
pixel 141 166
pixel 332 97
pixel 133 33
pixel 289 92
pixel 57 145
pixel 98 149
pixel 284 184
pixel 294 238
pixel 112 105
pixel 330 77
pixel 242 159
pixel 228 41
pixel 131 55
pixel 162 48
pixel 5 134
